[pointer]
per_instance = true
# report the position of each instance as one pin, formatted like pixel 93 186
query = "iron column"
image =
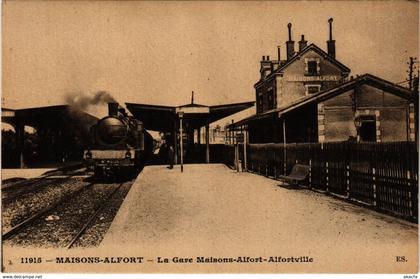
pixel 181 133
pixel 207 144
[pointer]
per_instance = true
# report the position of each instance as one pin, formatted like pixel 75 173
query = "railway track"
pixel 25 182
pixel 92 218
pixel 16 229
pixel 8 197
pixel 100 197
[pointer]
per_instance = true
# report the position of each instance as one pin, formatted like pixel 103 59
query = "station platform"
pixel 214 212
pixel 28 173
pixel 23 173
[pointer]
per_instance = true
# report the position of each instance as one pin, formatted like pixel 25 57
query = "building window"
pixel 260 103
pixel 312 67
pixel 312 88
pixel 270 94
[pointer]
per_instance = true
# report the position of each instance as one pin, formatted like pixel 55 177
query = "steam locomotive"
pixel 120 144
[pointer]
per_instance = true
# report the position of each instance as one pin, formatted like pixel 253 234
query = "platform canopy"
pixel 61 119
pixel 54 117
pixel 163 118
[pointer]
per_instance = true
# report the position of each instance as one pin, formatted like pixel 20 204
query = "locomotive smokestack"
pixel 113 109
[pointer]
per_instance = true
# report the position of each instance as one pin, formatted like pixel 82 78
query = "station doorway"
pixel 368 129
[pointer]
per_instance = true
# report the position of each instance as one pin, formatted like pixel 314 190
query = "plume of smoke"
pixel 82 101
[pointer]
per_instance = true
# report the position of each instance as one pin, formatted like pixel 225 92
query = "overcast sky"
pixel 157 53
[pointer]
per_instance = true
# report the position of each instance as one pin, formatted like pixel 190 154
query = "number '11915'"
pixel 31 260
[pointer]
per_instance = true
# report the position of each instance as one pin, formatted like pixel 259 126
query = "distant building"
pixel 309 97
pixel 216 135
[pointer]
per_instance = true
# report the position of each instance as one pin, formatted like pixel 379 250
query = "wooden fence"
pixel 380 175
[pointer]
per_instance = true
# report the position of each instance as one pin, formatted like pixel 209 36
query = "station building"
pixel 310 97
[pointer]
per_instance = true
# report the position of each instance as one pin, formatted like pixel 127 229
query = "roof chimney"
pixel 290 45
pixel 302 43
pixel 331 42
pixel 265 65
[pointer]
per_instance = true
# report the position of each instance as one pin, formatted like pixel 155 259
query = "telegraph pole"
pixel 411 70
pixel 413 85
pixel 416 82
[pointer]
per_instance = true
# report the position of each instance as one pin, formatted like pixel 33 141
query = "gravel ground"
pixel 16 210
pixel 59 226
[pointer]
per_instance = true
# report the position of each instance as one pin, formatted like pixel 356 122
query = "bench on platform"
pixel 298 174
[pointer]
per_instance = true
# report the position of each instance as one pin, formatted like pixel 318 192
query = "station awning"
pixel 54 117
pixel 164 118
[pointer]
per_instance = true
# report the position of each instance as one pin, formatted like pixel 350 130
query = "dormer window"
pixel 312 67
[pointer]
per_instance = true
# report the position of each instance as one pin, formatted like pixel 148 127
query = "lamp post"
pixel 181 133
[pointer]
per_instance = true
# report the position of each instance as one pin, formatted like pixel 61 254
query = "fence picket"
pixel 383 175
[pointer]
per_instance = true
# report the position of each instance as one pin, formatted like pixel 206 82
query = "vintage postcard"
pixel 210 137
